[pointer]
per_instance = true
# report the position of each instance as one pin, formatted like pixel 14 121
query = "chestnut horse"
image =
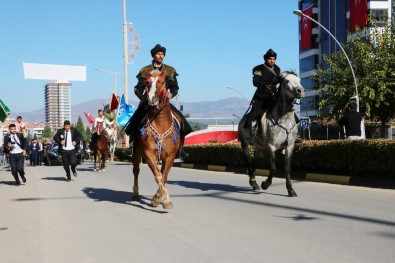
pixel 159 140
pixel 100 149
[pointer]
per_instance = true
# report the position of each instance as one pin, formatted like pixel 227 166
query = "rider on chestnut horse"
pixel 138 119
pixel 96 129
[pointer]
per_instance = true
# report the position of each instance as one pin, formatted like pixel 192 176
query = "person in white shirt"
pixel 15 144
pixel 101 118
pixel 40 151
pixel 105 123
pixel 68 140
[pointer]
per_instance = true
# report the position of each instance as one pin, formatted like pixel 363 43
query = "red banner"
pixel 89 117
pixel 306 29
pixel 358 14
pixel 114 102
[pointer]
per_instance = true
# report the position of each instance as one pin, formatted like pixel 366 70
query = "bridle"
pixel 162 93
pixel 282 93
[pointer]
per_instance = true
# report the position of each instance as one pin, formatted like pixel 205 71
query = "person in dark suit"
pixel 351 120
pixel 34 152
pixel 15 144
pixel 68 140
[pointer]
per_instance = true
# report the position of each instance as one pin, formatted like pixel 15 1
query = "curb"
pixel 312 177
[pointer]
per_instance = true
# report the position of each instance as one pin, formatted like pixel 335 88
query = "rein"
pixel 276 123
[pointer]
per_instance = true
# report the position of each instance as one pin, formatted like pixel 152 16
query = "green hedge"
pixel 371 157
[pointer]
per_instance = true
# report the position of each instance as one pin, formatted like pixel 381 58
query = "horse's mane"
pixel 293 72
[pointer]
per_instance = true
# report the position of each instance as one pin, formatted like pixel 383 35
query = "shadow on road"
pixel 8 183
pixel 89 169
pixel 209 186
pixel 222 189
pixel 63 179
pixel 120 197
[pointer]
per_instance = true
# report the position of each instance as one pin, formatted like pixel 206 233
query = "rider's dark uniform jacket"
pixel 171 80
pixel 139 89
pixel 265 79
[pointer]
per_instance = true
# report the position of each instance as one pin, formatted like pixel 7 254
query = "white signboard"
pixel 59 73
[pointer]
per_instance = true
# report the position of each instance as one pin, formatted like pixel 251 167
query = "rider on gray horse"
pixel 138 119
pixel 266 77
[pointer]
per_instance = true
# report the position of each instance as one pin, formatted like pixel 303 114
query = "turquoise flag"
pixel 125 112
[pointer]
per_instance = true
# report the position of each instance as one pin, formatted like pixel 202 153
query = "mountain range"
pixel 226 108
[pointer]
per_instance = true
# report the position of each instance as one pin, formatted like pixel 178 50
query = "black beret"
pixel 270 53
pixel 158 48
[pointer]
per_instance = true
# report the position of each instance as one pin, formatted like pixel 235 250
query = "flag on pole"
pixel 4 111
pixel 114 102
pixel 358 14
pixel 89 117
pixel 306 29
pixel 125 112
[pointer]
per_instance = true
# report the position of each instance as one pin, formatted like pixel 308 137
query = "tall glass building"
pixel 335 16
pixel 57 104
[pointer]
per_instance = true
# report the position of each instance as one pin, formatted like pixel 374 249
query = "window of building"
pixel 307 83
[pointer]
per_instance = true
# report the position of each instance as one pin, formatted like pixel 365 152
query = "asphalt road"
pixel 216 218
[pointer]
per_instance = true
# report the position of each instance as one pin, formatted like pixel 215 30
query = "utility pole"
pixel 125 54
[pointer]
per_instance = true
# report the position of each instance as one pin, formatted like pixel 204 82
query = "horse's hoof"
pixel 292 193
pixel 99 171
pixel 155 202
pixel 167 205
pixel 255 186
pixel 103 170
pixel 135 197
pixel 265 185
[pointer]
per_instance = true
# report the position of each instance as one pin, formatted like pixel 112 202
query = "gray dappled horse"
pixel 278 130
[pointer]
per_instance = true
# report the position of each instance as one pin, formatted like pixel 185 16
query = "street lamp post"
pixel 300 13
pixel 125 54
pixel 115 76
pixel 229 87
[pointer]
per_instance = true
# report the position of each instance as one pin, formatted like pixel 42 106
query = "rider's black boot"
pixel 253 131
pixel 182 153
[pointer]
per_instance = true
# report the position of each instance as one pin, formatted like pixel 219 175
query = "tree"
pixel 372 54
pixel 47 132
pixel 88 133
pixel 197 127
pixel 110 115
pixel 80 127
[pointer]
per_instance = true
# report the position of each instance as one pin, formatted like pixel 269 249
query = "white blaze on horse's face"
pixel 292 87
pixel 152 97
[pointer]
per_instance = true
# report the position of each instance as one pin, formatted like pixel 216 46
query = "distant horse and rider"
pixel 112 142
pixel 103 140
pixel 100 148
pixel 277 130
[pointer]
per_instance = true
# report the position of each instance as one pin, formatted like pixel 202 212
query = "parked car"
pixel 52 156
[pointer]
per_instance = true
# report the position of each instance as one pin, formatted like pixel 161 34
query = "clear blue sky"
pixel 212 44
